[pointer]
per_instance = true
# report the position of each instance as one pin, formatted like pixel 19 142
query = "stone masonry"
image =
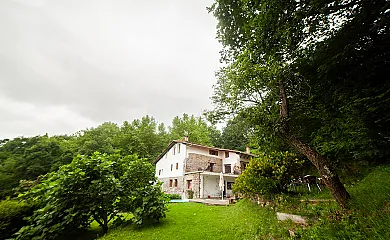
pixel 173 190
pixel 196 181
pixel 197 162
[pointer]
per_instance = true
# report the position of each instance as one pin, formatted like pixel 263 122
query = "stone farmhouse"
pixel 185 166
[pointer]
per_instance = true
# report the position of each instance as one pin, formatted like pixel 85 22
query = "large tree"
pixel 195 128
pixel 144 137
pixel 283 55
pixel 24 158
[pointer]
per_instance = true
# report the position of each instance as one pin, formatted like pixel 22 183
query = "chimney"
pixel 186 138
pixel 248 150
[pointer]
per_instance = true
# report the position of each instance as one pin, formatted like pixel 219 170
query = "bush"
pixel 173 196
pixel 100 187
pixel 268 174
pixel 12 213
pixel 190 194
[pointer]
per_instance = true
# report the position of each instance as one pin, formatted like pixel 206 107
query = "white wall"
pixel 204 151
pixel 169 158
pixel 165 162
pixel 210 186
pixel 198 150
pixel 233 159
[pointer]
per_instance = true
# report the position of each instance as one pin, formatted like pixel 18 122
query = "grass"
pixel 243 220
pixel 368 217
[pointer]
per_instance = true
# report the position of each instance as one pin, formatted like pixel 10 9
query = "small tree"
pixel 100 188
pixel 268 174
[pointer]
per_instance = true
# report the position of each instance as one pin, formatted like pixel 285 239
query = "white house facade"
pixel 185 166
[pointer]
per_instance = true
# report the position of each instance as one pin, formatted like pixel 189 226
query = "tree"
pixel 236 134
pixel 27 158
pixel 144 137
pixel 277 52
pixel 196 129
pixel 99 139
pixel 100 187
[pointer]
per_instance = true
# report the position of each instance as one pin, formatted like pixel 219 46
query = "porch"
pixel 205 185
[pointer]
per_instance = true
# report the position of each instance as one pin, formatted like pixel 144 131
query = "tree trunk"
pixel 322 164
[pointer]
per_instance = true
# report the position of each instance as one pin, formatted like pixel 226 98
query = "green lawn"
pixel 368 217
pixel 243 220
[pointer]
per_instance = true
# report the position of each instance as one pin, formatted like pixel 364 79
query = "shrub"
pixel 12 214
pixel 190 194
pixel 268 174
pixel 173 196
pixel 99 187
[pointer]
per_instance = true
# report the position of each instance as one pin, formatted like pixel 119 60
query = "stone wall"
pixel 173 190
pixel 196 181
pixel 197 162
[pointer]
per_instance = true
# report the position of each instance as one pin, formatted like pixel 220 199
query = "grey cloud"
pixel 98 61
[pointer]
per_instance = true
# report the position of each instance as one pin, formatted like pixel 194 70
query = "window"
pixel 213 152
pixel 174 150
pixel 175 182
pixel 170 182
pixel 189 184
pixel 226 154
pixel 229 185
pixel 177 166
pixel 210 167
pixel 228 168
pixel 178 148
pixel 160 172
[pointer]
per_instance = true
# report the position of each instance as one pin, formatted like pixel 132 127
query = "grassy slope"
pixel 197 221
pixel 368 216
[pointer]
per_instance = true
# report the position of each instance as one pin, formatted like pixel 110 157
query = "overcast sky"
pixel 70 65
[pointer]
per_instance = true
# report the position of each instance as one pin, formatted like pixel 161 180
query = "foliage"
pixel 28 158
pixel 190 194
pixel 243 220
pixel 195 128
pixel 367 218
pixel 173 196
pixel 236 134
pixel 324 63
pixel 98 188
pixel 99 139
pixel 268 174
pixel 314 46
pixel 144 137
pixel 12 214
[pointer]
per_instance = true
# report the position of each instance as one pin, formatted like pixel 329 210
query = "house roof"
pixel 245 154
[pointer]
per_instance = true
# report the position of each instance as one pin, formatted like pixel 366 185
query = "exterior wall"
pixel 197 162
pixel 198 150
pixel 169 158
pixel 173 190
pixel 192 160
pixel 229 192
pixel 233 160
pixel 204 151
pixel 210 186
pixel 196 179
